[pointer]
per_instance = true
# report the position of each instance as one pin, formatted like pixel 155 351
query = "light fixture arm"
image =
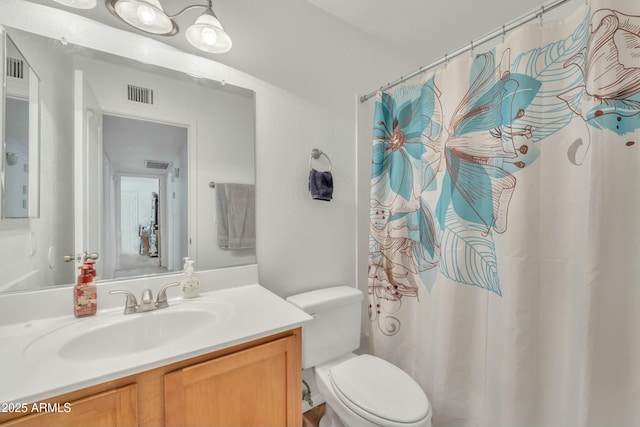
pixel 193 6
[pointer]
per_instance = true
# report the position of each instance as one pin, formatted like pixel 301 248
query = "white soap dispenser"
pixel 190 284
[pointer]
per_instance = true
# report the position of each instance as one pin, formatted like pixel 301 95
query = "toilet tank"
pixel 335 328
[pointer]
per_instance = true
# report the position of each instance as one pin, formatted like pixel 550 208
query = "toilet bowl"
pixel 360 391
pixel 368 391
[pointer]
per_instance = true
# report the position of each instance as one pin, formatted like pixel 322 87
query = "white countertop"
pixel 26 377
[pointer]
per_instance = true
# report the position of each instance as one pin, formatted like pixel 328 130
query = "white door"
pixel 88 170
pixel 129 227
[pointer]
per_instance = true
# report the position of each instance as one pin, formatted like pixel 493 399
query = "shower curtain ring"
pixel 446 60
pixel 471 49
pixel 541 14
pixel 504 33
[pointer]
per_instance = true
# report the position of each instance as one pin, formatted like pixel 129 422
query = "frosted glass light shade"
pixel 208 35
pixel 78 4
pixel 145 15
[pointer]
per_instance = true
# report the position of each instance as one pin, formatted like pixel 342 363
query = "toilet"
pixel 360 390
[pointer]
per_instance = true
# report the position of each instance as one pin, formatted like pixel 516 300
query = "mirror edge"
pixel 3 48
pixel 34 144
pixel 33 210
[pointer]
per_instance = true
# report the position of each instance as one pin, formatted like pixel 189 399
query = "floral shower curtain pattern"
pixel 504 237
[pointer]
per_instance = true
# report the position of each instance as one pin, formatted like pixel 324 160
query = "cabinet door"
pixel 259 386
pixel 117 407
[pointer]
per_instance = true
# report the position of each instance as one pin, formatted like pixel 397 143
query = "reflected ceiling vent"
pixel 156 164
pixel 140 94
pixel 15 68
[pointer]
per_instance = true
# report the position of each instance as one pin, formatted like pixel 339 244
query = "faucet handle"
pixel 161 299
pixel 131 306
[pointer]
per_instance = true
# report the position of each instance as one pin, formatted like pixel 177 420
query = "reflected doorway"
pixel 139 224
pixel 145 172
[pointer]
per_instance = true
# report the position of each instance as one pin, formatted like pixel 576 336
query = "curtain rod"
pixel 524 19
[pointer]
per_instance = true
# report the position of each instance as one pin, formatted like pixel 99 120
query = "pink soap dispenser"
pixel 85 293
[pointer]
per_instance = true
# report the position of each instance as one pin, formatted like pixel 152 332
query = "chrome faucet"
pixel 147 303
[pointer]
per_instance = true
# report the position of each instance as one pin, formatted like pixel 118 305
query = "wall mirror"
pixel 20 129
pixel 131 155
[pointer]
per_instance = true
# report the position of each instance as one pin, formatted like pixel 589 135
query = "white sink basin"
pixel 116 334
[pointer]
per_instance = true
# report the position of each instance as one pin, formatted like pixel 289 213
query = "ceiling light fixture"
pixel 205 34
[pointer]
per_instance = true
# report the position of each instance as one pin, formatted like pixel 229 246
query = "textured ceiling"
pixel 426 29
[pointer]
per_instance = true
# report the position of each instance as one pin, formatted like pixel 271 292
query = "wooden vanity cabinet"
pixel 253 384
pixel 111 408
pixel 207 394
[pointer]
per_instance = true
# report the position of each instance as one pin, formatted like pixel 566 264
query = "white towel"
pixel 235 207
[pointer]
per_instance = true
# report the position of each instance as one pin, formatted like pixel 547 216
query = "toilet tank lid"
pixel 324 299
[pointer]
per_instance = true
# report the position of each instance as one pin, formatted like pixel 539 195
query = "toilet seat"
pixel 379 391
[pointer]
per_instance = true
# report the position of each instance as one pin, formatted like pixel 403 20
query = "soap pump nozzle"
pixel 188 265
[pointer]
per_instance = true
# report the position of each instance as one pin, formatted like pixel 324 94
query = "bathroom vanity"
pixel 229 357
pixel 253 384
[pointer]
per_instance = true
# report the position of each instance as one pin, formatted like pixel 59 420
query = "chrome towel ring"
pixel 315 155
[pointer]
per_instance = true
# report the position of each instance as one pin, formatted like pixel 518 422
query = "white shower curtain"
pixel 504 265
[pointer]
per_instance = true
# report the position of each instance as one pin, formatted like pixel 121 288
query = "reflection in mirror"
pixel 21 127
pixel 16 173
pixel 128 152
pixel 148 199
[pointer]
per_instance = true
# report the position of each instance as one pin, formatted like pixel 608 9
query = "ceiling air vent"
pixel 156 164
pixel 140 94
pixel 15 68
